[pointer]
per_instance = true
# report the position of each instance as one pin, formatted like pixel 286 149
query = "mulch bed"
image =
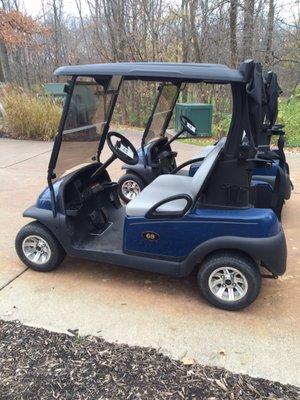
pixel 38 364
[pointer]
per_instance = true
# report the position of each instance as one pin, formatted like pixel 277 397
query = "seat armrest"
pixel 153 213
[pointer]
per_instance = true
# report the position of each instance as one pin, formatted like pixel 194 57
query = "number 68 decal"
pixel 152 236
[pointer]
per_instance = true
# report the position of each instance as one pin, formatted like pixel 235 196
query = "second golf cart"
pixel 156 156
pixel 270 183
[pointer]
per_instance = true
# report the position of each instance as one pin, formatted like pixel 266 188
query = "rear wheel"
pixel 38 248
pixel 130 185
pixel 229 280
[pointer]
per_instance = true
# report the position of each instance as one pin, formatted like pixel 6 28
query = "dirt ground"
pixel 144 309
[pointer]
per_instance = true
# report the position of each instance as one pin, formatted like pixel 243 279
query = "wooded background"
pixel 214 31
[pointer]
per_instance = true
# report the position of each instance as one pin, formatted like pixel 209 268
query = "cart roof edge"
pixel 217 73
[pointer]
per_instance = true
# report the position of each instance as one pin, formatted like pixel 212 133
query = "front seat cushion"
pixel 161 188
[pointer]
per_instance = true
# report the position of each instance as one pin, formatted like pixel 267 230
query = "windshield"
pixel 86 118
pixel 162 112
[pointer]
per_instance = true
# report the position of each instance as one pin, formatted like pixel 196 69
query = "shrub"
pixel 289 115
pixel 29 116
pixel 221 125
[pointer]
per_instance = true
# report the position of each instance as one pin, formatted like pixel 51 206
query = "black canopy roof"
pixel 188 72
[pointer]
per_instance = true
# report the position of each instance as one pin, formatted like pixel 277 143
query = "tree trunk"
pixel 185 49
pixel 4 62
pixel 248 29
pixel 1 73
pixel 184 42
pixel 270 29
pixel 204 30
pixel 233 42
pixel 194 33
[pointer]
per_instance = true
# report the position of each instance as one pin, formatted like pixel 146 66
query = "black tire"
pixel 249 270
pixel 129 177
pixel 57 253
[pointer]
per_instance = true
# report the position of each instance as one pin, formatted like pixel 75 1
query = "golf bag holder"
pixel 229 184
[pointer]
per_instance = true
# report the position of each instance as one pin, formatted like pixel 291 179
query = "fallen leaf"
pixel 187 361
pixel 222 352
pixel 72 332
pixel 221 385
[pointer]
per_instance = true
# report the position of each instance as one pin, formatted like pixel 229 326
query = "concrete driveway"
pixel 140 308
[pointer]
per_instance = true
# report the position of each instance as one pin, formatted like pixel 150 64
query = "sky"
pixel 34 7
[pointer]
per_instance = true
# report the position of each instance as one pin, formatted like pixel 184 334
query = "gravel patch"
pixel 38 364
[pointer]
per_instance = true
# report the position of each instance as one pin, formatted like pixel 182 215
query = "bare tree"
pixel 84 36
pixel 184 36
pixel 269 33
pixel 194 32
pixel 248 26
pixel 233 27
pixel 222 31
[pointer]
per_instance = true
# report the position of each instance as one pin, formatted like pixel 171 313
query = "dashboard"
pixel 78 189
pixel 161 156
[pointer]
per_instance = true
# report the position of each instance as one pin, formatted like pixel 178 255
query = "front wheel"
pixel 229 280
pixel 130 185
pixel 38 248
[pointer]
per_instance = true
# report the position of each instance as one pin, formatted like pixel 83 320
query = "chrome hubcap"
pixel 36 249
pixel 228 284
pixel 130 189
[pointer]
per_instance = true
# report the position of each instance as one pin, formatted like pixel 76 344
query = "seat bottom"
pixel 265 178
pixel 161 188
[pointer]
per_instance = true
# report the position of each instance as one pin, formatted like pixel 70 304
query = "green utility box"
pixel 199 113
pixel 55 90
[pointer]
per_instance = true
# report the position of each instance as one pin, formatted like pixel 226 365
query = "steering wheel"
pixel 188 125
pixel 122 148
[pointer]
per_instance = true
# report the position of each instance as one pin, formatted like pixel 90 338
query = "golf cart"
pixel 271 92
pixel 270 183
pixel 177 224
pixel 156 156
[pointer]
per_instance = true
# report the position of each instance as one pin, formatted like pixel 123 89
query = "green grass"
pixel 199 141
pixel 289 115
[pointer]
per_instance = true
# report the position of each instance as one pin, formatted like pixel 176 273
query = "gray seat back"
pixel 207 149
pixel 206 167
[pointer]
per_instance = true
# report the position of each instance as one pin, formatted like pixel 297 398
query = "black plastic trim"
pixel 58 137
pixel 271 251
pixel 153 213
